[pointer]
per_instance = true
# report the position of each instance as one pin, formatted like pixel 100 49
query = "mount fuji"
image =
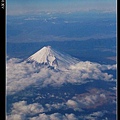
pixel 52 58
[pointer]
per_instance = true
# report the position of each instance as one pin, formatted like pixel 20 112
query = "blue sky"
pixel 17 7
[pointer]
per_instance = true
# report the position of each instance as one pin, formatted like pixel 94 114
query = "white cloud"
pixel 22 111
pixel 71 117
pixel 72 103
pixel 31 18
pixel 90 66
pixel 22 108
pixel 88 100
pixel 94 115
pixel 114 88
pixel 91 99
pixel 16 117
pixel 91 70
pixel 65 105
pixel 21 74
pixel 55 116
pixel 103 95
pixel 50 107
pixel 41 117
pixel 99 113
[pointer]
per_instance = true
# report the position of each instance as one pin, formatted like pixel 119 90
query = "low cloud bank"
pixel 21 74
pixel 35 111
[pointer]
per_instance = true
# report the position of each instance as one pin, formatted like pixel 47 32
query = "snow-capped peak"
pixel 51 57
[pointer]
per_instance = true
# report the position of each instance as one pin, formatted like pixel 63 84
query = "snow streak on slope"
pixel 53 58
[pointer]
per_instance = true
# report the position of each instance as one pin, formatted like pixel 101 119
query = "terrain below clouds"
pixel 61 27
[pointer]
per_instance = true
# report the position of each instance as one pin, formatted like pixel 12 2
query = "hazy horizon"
pixel 16 7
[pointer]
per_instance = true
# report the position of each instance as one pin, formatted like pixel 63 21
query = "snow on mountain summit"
pixel 53 58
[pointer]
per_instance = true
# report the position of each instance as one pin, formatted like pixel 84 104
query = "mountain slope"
pixel 52 58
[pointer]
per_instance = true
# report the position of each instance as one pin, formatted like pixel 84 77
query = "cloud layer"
pixel 21 74
pixel 22 110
